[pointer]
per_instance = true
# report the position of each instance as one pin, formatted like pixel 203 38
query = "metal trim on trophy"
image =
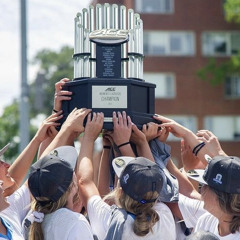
pixel 108 65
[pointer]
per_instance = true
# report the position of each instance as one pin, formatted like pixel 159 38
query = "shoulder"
pixel 96 202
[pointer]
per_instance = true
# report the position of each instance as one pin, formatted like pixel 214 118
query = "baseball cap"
pixel 138 176
pixel 4 149
pixel 66 153
pixel 222 173
pixel 50 177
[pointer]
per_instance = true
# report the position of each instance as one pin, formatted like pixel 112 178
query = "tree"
pixel 215 72
pixel 54 66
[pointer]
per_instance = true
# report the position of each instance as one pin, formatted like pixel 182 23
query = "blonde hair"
pixel 146 217
pixel 230 204
pixel 36 232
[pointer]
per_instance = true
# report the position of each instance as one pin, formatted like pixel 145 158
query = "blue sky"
pixel 50 25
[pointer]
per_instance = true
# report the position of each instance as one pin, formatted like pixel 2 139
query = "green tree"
pixel 55 66
pixel 215 72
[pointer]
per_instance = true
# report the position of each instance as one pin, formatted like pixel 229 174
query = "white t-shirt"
pixel 99 214
pixel 195 216
pixel 15 213
pixel 65 224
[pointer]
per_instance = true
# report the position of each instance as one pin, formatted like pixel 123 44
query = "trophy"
pixel 108 65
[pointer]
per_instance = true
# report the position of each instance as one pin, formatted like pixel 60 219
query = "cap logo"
pixel 125 178
pixel 54 152
pixel 218 178
pixel 119 162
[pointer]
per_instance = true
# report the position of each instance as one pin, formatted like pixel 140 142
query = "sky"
pixel 50 25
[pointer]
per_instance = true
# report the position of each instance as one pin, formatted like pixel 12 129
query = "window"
pixel 154 6
pixel 232 87
pixel 224 127
pixel 220 43
pixel 165 84
pixel 157 43
pixel 189 122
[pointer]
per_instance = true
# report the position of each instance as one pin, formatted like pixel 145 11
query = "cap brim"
pixel 197 175
pixel 120 163
pixel 4 149
pixel 66 153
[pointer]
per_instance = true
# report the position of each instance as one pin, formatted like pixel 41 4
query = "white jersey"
pixel 99 214
pixel 15 213
pixel 201 220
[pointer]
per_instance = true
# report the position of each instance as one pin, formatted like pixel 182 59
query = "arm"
pixel 19 168
pixel 185 186
pixel 104 170
pixel 139 138
pixel 84 169
pixel 122 128
pixel 59 96
pixel 71 128
pixel 211 143
pixel 180 131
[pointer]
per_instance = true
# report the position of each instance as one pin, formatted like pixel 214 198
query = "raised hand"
pixel 175 128
pixel 93 126
pixel 122 127
pixel 61 95
pixel 47 129
pixel 74 121
pixel 150 130
pixel 211 143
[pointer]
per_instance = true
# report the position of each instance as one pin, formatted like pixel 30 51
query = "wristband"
pixel 107 147
pixel 123 144
pixel 198 148
pixel 55 110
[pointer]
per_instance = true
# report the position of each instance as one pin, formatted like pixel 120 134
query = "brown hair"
pixel 36 232
pixel 146 217
pixel 230 203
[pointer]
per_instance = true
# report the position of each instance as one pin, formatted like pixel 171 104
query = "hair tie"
pixel 38 216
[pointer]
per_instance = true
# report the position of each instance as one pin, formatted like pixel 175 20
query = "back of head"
pixel 202 235
pixel 141 181
pixel 49 182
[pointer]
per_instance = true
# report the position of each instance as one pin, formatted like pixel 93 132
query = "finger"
pixel 124 118
pixel 203 139
pixel 115 120
pixel 120 119
pixel 203 134
pixel 144 128
pixel 94 117
pixel 129 121
pixel 62 93
pixel 89 118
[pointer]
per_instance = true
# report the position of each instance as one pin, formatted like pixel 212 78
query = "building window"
pixel 220 43
pixel 232 86
pixel 157 43
pixel 226 128
pixel 154 6
pixel 165 84
pixel 187 121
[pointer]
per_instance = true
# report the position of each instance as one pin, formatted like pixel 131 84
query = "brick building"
pixel 179 38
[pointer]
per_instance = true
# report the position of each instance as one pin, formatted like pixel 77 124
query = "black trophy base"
pixel 136 97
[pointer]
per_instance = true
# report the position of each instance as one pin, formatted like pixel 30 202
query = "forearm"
pixel 126 150
pixel 193 141
pixel 104 174
pixel 85 172
pixel 19 168
pixel 65 137
pixel 144 150
pixel 185 186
